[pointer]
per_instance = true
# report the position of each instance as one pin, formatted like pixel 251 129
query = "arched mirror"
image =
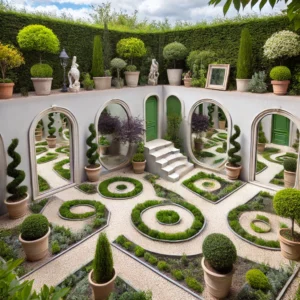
pixel 210 127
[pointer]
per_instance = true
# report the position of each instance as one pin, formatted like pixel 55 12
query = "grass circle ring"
pixel 168 217
pixel 254 225
pixel 121 187
pixel 107 193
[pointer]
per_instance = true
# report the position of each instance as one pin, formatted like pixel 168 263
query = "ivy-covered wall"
pixel 77 39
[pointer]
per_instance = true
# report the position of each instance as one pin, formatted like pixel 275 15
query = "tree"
pixel 244 64
pixel 97 64
pixel 232 157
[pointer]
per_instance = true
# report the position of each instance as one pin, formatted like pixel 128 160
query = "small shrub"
pixel 103 141
pixel 140 147
pixel 138 157
pixel 290 165
pixel 280 73
pixel 55 248
pixel 150 258
pixel 194 284
pixel 128 245
pixel 163 266
pixel 177 274
pixel 41 71
pixel 184 260
pixel 167 216
pixel 139 251
pixel 131 68
pixel 34 227
pixel 261 135
pixel 121 239
pixel 87 82
pixel 257 83
pixel 118 64
pixel 175 51
pixel 257 279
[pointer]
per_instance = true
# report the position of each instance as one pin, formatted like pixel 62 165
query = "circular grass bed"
pixel 168 217
pixel 121 187
pixel 65 209
pixel 104 191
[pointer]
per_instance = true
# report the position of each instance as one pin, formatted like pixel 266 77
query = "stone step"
pixel 158 144
pixel 181 172
pixel 170 159
pixel 169 169
pixel 164 152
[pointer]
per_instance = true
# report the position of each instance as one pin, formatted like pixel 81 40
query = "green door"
pixel 280 130
pixel 151 118
pixel 173 106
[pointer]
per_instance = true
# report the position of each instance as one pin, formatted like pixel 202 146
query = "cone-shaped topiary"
pixel 232 157
pixel 18 192
pixel 51 129
pixel 244 63
pixel 92 153
pixel 97 64
pixel 103 261
pixel 211 109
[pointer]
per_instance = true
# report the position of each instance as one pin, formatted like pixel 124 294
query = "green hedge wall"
pixel 78 40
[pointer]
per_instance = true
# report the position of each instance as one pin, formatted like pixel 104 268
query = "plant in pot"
pixel 87 82
pixel 244 63
pixel 187 79
pixel 138 159
pixel 281 76
pixel 289 173
pixel 287 204
pixel 118 64
pixel 103 145
pixel 42 39
pixel 51 138
pixel 10 58
pixel 233 168
pixel 211 110
pixel 131 48
pixel 102 277
pixel 34 237
pixel 174 52
pixel 257 83
pixel 262 140
pixel 16 203
pixel 93 168
pixel 200 124
pixel 219 255
pixel 222 119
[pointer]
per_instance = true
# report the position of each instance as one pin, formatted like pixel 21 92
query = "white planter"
pixel 174 76
pixel 132 78
pixel 242 85
pixel 102 83
pixel 42 86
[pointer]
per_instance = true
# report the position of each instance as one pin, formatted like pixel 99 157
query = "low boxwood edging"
pixel 47 157
pixel 40 150
pixel 196 228
pixel 64 173
pixel 103 188
pixel 167 217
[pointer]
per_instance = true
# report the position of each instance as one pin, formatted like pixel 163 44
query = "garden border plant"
pixel 87 188
pixel 49 156
pixel 63 173
pixel 167 217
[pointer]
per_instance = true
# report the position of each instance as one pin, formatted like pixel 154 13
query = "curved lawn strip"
pixel 40 150
pixel 41 144
pixel 87 188
pixel 260 166
pixel 43 184
pixel 222 135
pixel 48 157
pixel 58 167
pixel 282 158
pixel 63 150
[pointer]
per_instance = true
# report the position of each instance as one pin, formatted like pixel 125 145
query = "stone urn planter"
pixel 222 125
pixel 233 172
pixel 6 90
pixel 139 167
pixel 174 76
pixel 93 172
pixel 51 142
pixel 17 209
pixel 289 179
pixel 261 147
pixel 242 85
pixel 132 78
pixel 102 83
pixel 280 87
pixel 38 135
pixel 198 145
pixel 289 249
pixel 187 82
pixel 218 285
pixel 37 249
pixel 42 86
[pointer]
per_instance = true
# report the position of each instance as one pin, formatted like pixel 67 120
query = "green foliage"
pixel 103 141
pixel 36 207
pixel 58 167
pixel 244 63
pixel 177 274
pixel 88 188
pixel 219 252
pixel 118 64
pixel 131 68
pixel 257 279
pixel 43 184
pixel 257 84
pixel 163 266
pixel 173 130
pixel 139 251
pixel 138 157
pixel 194 284
pixel 280 73
pixel 140 147
pixel 121 187
pixel 175 51
pixel 92 153
pixel 103 261
pixel 48 157
pixel 55 248
pixel 51 129
pixel 41 71
pixel 34 227
pixel 232 157
pixel 87 82
pixel 150 258
pixel 261 135
pixel 167 216
pixel 17 192
pixel 290 164
pixel 97 64
pixel 211 109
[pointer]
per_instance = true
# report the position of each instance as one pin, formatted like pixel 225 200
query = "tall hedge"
pixel 97 64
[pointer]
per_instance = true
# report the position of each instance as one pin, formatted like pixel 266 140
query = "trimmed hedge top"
pixel 34 227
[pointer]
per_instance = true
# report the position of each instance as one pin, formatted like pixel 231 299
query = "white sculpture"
pixel 153 75
pixel 74 75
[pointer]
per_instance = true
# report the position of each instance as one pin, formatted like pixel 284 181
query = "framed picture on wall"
pixel 217 77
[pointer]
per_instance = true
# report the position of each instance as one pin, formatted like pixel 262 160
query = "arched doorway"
pixel 173 106
pixel 151 118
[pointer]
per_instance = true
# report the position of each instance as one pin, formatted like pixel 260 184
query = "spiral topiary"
pixel 18 192
pixel 51 129
pixel 92 153
pixel 233 158
pixel 211 109
pixel 34 227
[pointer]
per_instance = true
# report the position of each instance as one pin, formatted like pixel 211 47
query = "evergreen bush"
pixel 244 63
pixel 51 129
pixel 290 164
pixel 118 64
pixel 257 84
pixel 257 279
pixel 97 64
pixel 41 71
pixel 103 262
pixel 92 153
pixel 232 157
pixel 280 73
pixel 87 82
pixel 175 51
pixel 261 135
pixel 138 157
pixel 34 227
pixel 211 109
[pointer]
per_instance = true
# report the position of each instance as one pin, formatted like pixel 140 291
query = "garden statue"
pixel 74 75
pixel 153 75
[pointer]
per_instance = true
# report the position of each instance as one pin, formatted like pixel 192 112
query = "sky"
pixel 182 10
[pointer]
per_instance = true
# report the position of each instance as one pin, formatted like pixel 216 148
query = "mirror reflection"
pixel 52 149
pixel 209 135
pixel 277 151
pixel 112 152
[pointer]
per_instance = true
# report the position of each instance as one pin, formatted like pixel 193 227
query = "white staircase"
pixel 165 160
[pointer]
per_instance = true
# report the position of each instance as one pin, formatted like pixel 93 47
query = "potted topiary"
pixel 131 48
pixel 219 255
pixel 103 145
pixel 222 119
pixel 287 204
pixel 200 124
pixel 118 64
pixel 211 123
pixel 93 169
pixel 34 237
pixel 262 140
pixel 290 167
pixel 10 58
pixel 17 203
pixel 42 39
pixel 281 76
pixel 244 63
pixel 103 275
pixel 233 168
pixel 51 138
pixel 138 159
pixel 173 52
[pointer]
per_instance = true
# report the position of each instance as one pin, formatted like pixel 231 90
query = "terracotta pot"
pixel 101 291
pixel 289 249
pixel 17 209
pixel 187 82
pixel 51 142
pixel 6 90
pixel 261 147
pixel 289 179
pixel 38 136
pixel 139 167
pixel 36 250
pixel 218 285
pixel 174 76
pixel 198 145
pixel 222 125
pixel 132 78
pixel 280 87
pixel 93 174
pixel 233 172
pixel 242 85
pixel 42 86
pixel 102 83
pixel 103 150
